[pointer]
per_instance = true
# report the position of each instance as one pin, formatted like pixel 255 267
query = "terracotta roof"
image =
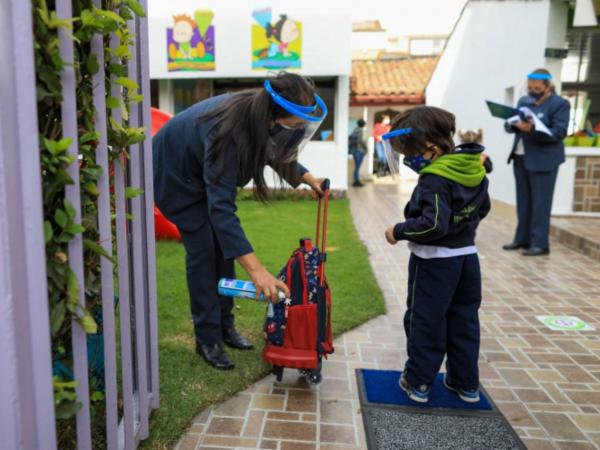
pixel 397 81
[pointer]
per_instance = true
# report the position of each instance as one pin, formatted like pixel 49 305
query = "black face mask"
pixel 285 142
pixel 535 95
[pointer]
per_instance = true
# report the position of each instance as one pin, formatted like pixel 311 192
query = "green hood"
pixel 463 168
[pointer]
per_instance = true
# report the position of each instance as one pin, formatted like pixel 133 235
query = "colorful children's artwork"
pixel 191 42
pixel 275 45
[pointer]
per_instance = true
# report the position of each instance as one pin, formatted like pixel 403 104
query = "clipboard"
pixel 501 111
pixel 514 115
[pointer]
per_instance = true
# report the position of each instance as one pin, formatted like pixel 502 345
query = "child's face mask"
pixel 416 163
pixel 419 162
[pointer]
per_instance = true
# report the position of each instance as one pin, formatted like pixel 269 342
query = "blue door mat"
pixel 394 422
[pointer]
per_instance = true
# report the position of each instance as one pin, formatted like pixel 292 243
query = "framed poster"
pixel 191 42
pixel 276 42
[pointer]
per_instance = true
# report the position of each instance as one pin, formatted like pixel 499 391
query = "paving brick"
pixel 290 431
pixel 559 426
pixel 547 383
pixel 225 426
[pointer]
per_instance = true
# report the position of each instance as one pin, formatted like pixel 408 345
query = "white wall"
pixel 494 46
pixel 325 52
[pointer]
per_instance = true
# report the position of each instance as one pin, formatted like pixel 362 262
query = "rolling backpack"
pixel 298 330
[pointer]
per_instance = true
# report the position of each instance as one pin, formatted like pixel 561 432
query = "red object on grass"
pixel 159 118
pixel 163 228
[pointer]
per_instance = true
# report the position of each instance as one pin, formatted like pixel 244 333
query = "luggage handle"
pixel 321 235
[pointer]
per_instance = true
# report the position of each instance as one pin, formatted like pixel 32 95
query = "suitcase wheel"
pixel 312 376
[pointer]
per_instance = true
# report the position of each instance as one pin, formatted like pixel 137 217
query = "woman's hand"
pixel 389 236
pixel 315 183
pixel 524 127
pixel 267 284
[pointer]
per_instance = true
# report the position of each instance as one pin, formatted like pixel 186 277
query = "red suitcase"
pixel 298 330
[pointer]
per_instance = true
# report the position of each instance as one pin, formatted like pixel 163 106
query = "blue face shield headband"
pixel 301 111
pixel 539 76
pixel 416 163
pixel 287 142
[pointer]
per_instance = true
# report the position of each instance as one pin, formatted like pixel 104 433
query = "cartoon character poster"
pixel 276 43
pixel 191 42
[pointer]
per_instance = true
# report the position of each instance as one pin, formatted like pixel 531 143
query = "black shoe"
pixel 215 356
pixel 235 340
pixel 514 246
pixel 357 184
pixel 536 251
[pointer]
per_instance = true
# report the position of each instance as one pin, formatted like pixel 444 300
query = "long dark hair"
pixel 243 122
pixel 428 124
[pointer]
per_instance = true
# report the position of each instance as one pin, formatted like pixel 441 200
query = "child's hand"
pixel 389 235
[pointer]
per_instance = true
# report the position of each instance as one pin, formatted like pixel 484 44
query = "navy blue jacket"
pixel 443 212
pixel 543 153
pixel 188 188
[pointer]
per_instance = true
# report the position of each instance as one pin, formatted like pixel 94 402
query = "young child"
pixel 444 281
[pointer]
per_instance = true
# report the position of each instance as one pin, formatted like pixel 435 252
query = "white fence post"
pixel 26 395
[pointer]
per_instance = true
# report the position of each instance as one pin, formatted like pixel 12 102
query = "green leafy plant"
pixel 60 224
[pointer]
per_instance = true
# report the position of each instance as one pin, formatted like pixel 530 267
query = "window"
pixel 326 90
pixel 154 90
pixel 509 96
pixel 581 78
pixel 186 92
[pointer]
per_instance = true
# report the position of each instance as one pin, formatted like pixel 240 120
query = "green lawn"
pixel 187 385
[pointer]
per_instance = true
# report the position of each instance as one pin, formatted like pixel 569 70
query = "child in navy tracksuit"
pixel 444 280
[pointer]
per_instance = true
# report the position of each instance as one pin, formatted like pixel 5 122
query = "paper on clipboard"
pixel 537 123
pixel 504 112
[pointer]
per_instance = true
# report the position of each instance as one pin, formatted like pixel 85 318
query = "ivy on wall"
pixel 59 216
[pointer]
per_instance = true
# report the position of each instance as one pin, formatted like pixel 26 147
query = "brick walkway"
pixel 546 382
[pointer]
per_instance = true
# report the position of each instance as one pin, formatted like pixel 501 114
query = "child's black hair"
pixel 430 126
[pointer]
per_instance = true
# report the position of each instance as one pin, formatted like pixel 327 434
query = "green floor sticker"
pixel 564 323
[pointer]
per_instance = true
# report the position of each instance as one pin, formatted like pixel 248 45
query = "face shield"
pixel 287 140
pixel 392 156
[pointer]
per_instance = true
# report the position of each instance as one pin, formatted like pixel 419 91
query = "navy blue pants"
pixel 205 265
pixel 534 204
pixel 444 295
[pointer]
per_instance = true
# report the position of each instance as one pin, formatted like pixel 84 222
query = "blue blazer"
pixel 188 188
pixel 543 153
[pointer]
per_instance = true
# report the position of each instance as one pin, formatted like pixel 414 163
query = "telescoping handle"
pixel 321 235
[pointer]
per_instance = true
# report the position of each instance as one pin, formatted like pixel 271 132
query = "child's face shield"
pixel 391 155
pixel 290 135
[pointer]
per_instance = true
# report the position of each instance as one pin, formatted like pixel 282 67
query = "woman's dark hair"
pixel 361 123
pixel 430 125
pixel 243 121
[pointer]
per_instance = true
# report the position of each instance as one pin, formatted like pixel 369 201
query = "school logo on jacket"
pixel 463 214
